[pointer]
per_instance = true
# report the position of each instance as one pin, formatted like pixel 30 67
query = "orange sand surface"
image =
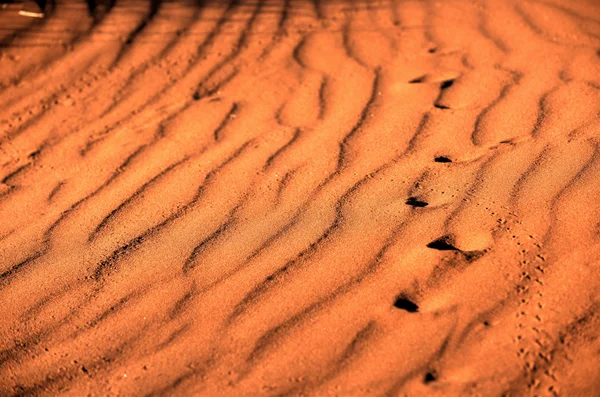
pixel 318 198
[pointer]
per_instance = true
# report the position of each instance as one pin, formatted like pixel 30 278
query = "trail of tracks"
pixel 301 198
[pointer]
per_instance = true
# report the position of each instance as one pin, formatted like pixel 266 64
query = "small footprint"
pixel 442 244
pixel 442 159
pixel 430 376
pixel 404 303
pixel 414 202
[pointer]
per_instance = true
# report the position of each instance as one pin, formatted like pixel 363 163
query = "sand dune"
pixel 350 198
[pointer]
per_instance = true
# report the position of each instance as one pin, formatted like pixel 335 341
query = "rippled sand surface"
pixel 326 198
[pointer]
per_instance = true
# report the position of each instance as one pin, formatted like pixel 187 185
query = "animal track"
pixel 442 159
pixel 403 303
pixel 429 377
pixel 442 244
pixel 412 201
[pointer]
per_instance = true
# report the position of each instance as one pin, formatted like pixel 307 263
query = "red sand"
pixel 301 198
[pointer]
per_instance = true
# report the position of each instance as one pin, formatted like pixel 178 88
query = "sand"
pixel 328 198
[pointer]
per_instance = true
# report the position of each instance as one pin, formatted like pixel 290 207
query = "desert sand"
pixel 326 198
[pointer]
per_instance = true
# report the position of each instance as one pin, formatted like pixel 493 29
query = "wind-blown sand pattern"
pixel 350 198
